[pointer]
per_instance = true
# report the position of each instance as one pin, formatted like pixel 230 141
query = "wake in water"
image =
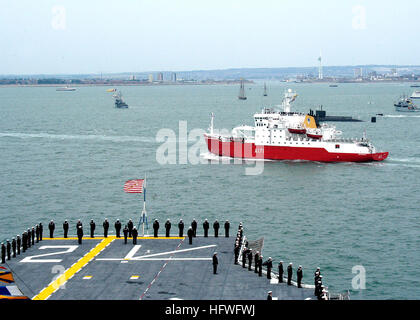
pixel 412 162
pixel 43 135
pixel 399 116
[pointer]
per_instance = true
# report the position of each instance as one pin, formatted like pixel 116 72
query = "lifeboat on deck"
pixel 297 130
pixel 314 134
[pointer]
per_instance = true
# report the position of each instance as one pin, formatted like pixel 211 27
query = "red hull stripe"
pixel 250 151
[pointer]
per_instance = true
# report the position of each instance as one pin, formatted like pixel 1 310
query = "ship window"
pixel 337 146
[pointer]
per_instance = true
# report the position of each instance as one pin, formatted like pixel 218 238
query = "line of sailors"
pixel 193 228
pixel 320 291
pixel 130 231
pixel 29 238
pixel 247 254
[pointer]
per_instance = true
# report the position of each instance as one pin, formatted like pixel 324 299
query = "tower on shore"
pixel 320 74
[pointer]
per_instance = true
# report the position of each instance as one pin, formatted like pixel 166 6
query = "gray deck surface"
pixel 159 276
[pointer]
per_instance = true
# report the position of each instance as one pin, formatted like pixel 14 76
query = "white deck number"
pixel 32 258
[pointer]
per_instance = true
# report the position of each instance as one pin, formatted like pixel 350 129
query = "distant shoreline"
pixel 118 84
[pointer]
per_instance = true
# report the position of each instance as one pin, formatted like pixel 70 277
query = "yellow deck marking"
pixel 53 286
pixel 114 237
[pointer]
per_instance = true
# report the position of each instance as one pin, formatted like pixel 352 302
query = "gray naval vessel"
pixel 155 268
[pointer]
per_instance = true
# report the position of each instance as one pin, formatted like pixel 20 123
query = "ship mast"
pixel 211 129
pixel 289 97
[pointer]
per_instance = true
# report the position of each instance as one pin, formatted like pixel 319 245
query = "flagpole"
pixel 144 213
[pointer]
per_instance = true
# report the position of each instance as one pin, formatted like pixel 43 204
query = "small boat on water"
pixel 415 95
pixel 406 105
pixel 265 90
pixel 119 101
pixel 65 89
pixel 333 85
pixel 242 91
pixel 111 90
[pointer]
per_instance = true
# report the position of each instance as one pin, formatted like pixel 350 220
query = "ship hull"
pixel 251 151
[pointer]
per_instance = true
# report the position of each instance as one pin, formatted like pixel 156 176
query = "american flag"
pixel 134 186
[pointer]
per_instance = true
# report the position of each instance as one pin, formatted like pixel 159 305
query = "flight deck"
pixel 159 268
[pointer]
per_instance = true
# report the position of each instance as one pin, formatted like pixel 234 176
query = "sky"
pixel 73 36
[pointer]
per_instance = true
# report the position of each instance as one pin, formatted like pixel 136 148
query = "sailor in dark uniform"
pixel 216 227
pixel 8 249
pixel 168 228
pixel 270 295
pixel 281 271
pixel 269 265
pixel 117 228
pixel 299 274
pixel 250 259
pixel 289 273
pixel 29 238
pixel 194 227
pixel 181 228
pixel 51 227
pixel 256 258
pixel 227 226
pixel 318 285
pixel 92 228
pixel 18 244
pixel 206 227
pixel 106 227
pixel 125 231
pixel 24 241
pixel 134 233
pixel 244 255
pixel 130 226
pixel 33 235
pixel 260 263
pixel 215 263
pixel 190 234
pixel 78 224
pixel 14 247
pixel 155 228
pixel 41 229
pixel 3 253
pixel 317 273
pixel 236 253
pixel 37 233
pixel 65 228
pixel 80 234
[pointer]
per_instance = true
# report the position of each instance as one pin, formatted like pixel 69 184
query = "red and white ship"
pixel 286 135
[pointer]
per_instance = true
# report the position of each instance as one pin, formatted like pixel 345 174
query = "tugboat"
pixel 406 105
pixel 242 91
pixel 274 137
pixel 119 102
